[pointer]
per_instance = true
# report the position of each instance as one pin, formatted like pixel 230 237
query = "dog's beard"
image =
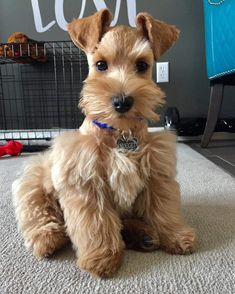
pixel 96 99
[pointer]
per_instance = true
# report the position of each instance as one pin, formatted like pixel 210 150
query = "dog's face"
pixel 119 84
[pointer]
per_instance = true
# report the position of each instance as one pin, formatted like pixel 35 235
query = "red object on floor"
pixel 12 148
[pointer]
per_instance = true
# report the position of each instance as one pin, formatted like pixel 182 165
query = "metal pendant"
pixel 127 144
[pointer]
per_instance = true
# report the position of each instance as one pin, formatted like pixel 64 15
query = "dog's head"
pixel 121 58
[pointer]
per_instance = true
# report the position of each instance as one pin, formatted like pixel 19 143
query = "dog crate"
pixel 40 85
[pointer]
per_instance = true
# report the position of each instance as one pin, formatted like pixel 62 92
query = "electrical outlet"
pixel 162 72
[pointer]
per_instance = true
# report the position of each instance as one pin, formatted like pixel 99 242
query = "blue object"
pixel 103 125
pixel 220 37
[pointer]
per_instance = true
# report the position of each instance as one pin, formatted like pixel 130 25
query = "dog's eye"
pixel 141 66
pixel 101 65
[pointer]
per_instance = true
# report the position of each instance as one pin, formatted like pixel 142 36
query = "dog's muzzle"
pixel 122 103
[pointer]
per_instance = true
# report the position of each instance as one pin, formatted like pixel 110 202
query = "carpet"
pixel 208 196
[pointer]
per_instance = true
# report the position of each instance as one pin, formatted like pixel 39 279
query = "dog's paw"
pixel 45 243
pixel 101 263
pixel 181 242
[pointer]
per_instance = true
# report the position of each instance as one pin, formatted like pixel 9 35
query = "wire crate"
pixel 40 85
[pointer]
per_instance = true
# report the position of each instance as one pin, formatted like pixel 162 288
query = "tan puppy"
pixel 111 170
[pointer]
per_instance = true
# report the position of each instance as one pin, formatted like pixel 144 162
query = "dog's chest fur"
pixel 127 174
pixel 84 162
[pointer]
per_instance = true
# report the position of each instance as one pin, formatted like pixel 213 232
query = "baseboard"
pixel 218 136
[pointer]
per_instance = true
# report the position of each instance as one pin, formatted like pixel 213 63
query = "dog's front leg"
pixel 94 229
pixel 159 204
pixel 163 213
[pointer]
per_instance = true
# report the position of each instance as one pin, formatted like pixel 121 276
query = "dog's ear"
pixel 160 34
pixel 87 32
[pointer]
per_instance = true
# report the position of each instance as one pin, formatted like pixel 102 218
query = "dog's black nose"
pixel 122 103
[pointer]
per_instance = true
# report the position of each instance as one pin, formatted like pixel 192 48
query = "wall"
pixel 188 89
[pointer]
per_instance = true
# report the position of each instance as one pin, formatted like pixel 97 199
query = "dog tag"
pixel 128 144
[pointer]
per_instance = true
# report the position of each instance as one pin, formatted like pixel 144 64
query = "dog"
pixel 110 179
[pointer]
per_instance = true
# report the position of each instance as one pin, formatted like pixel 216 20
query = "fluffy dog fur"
pixel 84 189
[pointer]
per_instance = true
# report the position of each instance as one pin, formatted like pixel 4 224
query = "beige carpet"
pixel 209 205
